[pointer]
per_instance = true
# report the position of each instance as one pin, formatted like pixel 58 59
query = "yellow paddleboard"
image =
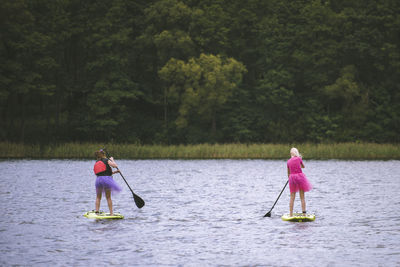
pixel 299 217
pixel 102 215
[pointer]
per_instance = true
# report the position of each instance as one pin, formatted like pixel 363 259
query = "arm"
pixel 288 172
pixel 112 163
pixel 301 163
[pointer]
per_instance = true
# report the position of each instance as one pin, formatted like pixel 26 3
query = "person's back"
pixel 294 165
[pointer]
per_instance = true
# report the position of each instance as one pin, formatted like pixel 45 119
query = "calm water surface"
pixel 200 213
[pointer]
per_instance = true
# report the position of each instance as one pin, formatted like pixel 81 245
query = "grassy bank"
pixel 356 151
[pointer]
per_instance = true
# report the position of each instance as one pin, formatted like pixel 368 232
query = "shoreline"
pixel 344 151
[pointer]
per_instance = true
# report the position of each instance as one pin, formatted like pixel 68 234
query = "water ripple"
pixel 200 212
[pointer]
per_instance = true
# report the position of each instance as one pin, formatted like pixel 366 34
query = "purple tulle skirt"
pixel 298 181
pixel 104 183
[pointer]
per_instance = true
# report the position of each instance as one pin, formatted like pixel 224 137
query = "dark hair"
pixel 99 154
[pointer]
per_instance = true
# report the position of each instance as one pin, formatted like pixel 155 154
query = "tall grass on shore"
pixel 355 151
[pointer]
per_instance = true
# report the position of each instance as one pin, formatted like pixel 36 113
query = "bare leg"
pixel 109 201
pixel 98 200
pixel 292 197
pixel 303 201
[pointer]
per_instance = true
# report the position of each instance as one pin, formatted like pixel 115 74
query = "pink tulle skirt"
pixel 104 183
pixel 298 181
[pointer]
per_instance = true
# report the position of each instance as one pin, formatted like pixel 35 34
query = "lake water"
pixel 200 213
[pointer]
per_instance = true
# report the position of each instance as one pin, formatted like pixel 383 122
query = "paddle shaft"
pixel 268 214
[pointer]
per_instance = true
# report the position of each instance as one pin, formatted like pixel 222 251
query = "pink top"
pixel 294 165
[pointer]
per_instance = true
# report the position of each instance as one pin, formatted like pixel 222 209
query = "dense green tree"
pixel 190 71
pixel 27 76
pixel 111 79
pixel 203 85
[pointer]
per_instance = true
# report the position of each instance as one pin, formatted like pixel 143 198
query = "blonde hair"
pixel 295 152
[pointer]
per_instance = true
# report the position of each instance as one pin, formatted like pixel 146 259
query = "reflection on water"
pixel 200 212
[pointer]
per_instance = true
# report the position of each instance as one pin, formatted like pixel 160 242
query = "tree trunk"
pixel 214 126
pixel 23 120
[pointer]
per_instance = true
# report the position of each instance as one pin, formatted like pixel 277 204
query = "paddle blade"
pixel 138 201
pixel 268 214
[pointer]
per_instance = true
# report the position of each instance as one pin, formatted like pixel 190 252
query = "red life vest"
pixel 101 168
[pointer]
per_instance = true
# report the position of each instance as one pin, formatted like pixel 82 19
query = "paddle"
pixel 138 200
pixel 269 212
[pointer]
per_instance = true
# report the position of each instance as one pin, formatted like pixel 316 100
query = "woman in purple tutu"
pixel 104 181
pixel 298 182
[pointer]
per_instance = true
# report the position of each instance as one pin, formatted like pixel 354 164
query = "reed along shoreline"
pixel 343 151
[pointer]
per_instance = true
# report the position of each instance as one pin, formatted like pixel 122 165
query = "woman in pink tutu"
pixel 298 182
pixel 104 181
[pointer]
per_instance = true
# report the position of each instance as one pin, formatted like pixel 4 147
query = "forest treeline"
pixel 200 71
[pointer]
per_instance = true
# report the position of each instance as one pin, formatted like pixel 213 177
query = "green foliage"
pixel 202 85
pixel 174 71
pixel 345 89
